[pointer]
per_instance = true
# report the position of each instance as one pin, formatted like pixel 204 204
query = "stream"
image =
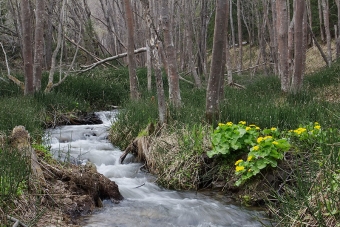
pixel 145 204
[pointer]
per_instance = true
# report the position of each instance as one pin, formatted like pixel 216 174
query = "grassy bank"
pixel 183 164
pixel 98 90
pixel 180 151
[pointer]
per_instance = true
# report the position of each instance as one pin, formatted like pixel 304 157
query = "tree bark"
pixel 299 46
pixel 239 32
pixel 38 43
pixel 325 9
pixel 27 46
pixel 131 56
pixel 174 91
pixel 282 35
pixel 213 93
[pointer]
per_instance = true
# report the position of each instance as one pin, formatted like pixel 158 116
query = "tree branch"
pixel 89 67
pixel 12 78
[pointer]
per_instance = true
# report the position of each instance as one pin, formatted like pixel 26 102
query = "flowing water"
pixel 145 204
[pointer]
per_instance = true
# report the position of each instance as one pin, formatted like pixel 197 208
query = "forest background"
pixel 189 65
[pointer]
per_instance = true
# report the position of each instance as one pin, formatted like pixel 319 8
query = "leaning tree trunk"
pixel 27 49
pixel 282 35
pixel 38 43
pixel 130 50
pixel 213 93
pixel 174 91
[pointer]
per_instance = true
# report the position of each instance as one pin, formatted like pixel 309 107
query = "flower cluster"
pixel 229 137
pixel 267 151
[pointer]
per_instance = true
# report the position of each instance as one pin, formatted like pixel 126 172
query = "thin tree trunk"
pixel 202 55
pixel 131 56
pixel 325 9
pixel 174 91
pixel 157 63
pixel 56 50
pixel 27 46
pixel 338 34
pixel 38 43
pixel 239 32
pixel 322 33
pixel 189 44
pixel 149 65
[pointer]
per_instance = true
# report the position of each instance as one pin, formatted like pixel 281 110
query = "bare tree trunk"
pixel 213 93
pixel 174 91
pixel 131 55
pixel 299 46
pixel 27 46
pixel 325 9
pixel 149 65
pixel 274 40
pixel 189 42
pixel 156 61
pixel 38 43
pixel 322 33
pixel 239 32
pixel 49 35
pixel 282 35
pixel 338 34
pixel 56 50
pixel 202 55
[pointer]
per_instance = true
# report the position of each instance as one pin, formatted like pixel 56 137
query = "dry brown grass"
pixel 314 60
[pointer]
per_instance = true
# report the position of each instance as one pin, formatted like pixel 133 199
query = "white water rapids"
pixel 145 204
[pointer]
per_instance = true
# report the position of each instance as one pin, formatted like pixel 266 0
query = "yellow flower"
pixel 242 122
pixel 229 123
pixel 238 162
pixel 252 125
pixel 250 158
pixel 300 130
pixel 239 168
pixel 248 128
pixel 220 124
pixel 267 137
pixel 256 148
pixel 257 128
pixel 317 127
pixel 275 143
pixel 259 139
pixel 316 123
pixel 273 129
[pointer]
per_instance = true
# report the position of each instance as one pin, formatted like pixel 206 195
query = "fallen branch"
pixel 12 78
pixel 88 52
pixel 17 222
pixel 89 67
pixel 318 45
pixel 236 85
